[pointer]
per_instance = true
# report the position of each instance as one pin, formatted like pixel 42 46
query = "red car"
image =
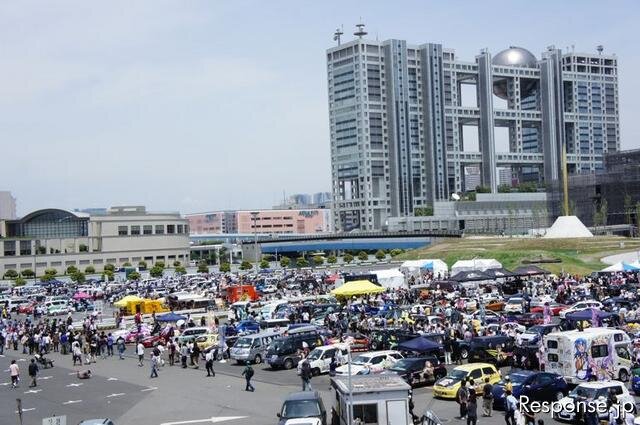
pixel 554 308
pixel 530 319
pixel 152 341
pixel 26 308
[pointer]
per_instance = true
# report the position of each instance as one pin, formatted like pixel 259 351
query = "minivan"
pixel 274 324
pixel 190 334
pixel 284 351
pixel 306 404
pixel 253 347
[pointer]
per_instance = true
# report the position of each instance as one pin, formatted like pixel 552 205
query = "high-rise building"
pixel 504 176
pixel 403 129
pixel 7 205
pixel 472 178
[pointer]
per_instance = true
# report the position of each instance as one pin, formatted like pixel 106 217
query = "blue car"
pixel 635 385
pixel 247 327
pixel 538 386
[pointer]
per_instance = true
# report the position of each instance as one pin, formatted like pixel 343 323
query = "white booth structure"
pixel 479 264
pixel 391 278
pixel 373 399
pixel 438 267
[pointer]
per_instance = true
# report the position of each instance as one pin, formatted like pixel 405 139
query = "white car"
pixel 598 391
pixel 320 358
pixel 514 305
pixel 374 362
pixel 505 328
pixel 580 306
pixel 488 314
pixel 269 289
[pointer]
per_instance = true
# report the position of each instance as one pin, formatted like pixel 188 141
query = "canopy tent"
pixel 470 276
pixel 170 317
pixel 529 270
pixel 500 273
pixel 479 264
pixel 438 267
pixel 357 287
pixel 126 300
pixel 622 266
pixel 589 314
pixel 391 278
pixel 420 345
pixel 81 296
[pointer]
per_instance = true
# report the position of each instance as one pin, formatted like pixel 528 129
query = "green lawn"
pixel 577 256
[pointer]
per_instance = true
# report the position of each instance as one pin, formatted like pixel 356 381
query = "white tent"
pixel 623 266
pixel 568 226
pixel 415 266
pixel 480 264
pixel 391 278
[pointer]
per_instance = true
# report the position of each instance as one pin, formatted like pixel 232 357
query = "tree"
pixel 245 265
pixel 302 262
pixel 78 277
pixel 318 260
pixel 20 281
pixel 177 263
pixel 604 208
pixel 203 267
pixel 89 269
pixel 142 265
pixel 42 250
pixel 156 271
pixel 225 267
pixel 28 273
pixel 421 212
pixel 347 258
pixel 363 256
pixel 108 276
pixel 285 262
pixel 159 264
pixel 126 264
pixel 11 274
pixel 109 267
pixel 212 257
pixel 264 264
pixel 395 252
pixel 51 272
pixel 380 255
pixel 332 259
pixel 71 270
pixel 527 187
pixel 504 188
pixel 134 276
pixel 483 189
pixel 181 270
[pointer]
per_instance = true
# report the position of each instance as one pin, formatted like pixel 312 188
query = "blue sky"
pixel 203 105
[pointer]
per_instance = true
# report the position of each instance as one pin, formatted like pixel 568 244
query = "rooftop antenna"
pixel 573 48
pixel 600 48
pixel 360 32
pixel 337 34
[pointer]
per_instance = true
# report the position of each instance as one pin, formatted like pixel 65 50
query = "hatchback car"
pixel 538 386
pixel 305 404
pixel 448 386
pixel 372 362
pixel 412 370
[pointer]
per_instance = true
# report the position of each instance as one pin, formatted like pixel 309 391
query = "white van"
pixel 589 355
pixel 267 311
pixel 253 348
pixel 320 358
pixel 15 302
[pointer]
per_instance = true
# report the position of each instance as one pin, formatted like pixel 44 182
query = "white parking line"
pixel 112 379
pixel 74 385
pixel 32 391
pixel 208 420
pixel 72 402
pixel 114 395
pixel 149 389
pixel 45 377
pixel 27 410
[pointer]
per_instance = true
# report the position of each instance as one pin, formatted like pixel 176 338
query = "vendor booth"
pixel 391 278
pixel 437 267
pixel 479 264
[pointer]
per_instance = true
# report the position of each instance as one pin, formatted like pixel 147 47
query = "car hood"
pixel 345 369
pixel 447 382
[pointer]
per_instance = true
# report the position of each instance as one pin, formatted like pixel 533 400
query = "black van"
pixel 284 352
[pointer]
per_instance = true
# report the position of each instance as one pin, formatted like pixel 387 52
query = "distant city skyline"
pixel 213 106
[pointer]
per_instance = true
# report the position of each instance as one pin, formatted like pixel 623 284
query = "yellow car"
pixel 207 340
pixel 448 386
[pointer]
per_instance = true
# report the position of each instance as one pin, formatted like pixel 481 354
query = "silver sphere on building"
pixel 514 56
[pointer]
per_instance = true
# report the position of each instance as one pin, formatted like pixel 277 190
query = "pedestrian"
pixel 121 347
pixel 184 353
pixel 140 352
pixel 110 345
pixel 472 409
pixel 14 371
pixel 487 398
pixel 196 355
pixel 33 372
pixel 511 404
pixel 462 397
pixel 333 366
pixel 172 352
pixel 154 365
pixel 448 348
pixel 209 363
pixel 305 374
pixel 248 374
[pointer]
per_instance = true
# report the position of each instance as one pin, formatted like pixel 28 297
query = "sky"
pixel 196 106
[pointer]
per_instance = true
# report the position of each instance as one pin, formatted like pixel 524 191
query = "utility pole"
pixel 254 217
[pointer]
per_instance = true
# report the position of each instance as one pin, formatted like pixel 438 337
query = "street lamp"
pixel 254 217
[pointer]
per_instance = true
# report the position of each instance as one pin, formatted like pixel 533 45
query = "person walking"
pixel 209 363
pixel 110 343
pixel 462 397
pixel 140 353
pixel 487 398
pixel 248 374
pixel 33 372
pixel 184 353
pixel 171 347
pixel 472 409
pixel 448 348
pixel 305 375
pixel 14 371
pixel 121 347
pixel 511 404
pixel 154 365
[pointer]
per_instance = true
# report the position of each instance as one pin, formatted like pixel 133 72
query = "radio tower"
pixel 360 32
pixel 337 34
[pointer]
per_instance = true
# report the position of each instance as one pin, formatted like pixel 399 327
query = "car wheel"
pixel 288 364
pixel 464 353
pixel 315 372
pixel 623 375
pixel 559 396
pixel 257 359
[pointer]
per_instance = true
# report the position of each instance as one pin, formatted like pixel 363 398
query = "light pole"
pixel 254 217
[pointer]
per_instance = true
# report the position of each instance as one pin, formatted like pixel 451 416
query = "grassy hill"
pixel 577 256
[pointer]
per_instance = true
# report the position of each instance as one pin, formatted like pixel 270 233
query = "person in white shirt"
pixel 14 371
pixel 140 353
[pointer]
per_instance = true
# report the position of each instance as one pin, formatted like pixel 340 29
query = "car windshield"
pixel 585 392
pixel 534 330
pixel 361 360
pixel 458 374
pixel 300 409
pixel 516 378
pixel 403 364
pixel 515 301
pixel 243 343
pixel 315 354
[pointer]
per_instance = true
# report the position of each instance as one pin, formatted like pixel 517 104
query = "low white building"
pixel 55 238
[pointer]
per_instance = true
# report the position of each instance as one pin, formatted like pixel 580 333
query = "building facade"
pixel 54 238
pixel 400 123
pixel 7 205
pixel 276 221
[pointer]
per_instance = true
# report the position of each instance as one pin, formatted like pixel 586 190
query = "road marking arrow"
pixel 149 389
pixel 74 385
pixel 209 420
pixel 115 395
pixel 72 402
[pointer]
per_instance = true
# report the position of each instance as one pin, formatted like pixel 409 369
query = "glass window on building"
pixel 180 227
pixel 367 413
pixel 171 229
pixel 123 230
pixel 9 248
pixel 159 229
pixel 147 229
pixel 135 230
pixel 25 247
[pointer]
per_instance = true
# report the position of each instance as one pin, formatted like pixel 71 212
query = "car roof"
pixel 303 395
pixel 94 421
pixel 378 353
pixel 470 366
pixel 600 384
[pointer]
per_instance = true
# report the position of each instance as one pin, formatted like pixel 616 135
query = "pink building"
pixel 302 221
